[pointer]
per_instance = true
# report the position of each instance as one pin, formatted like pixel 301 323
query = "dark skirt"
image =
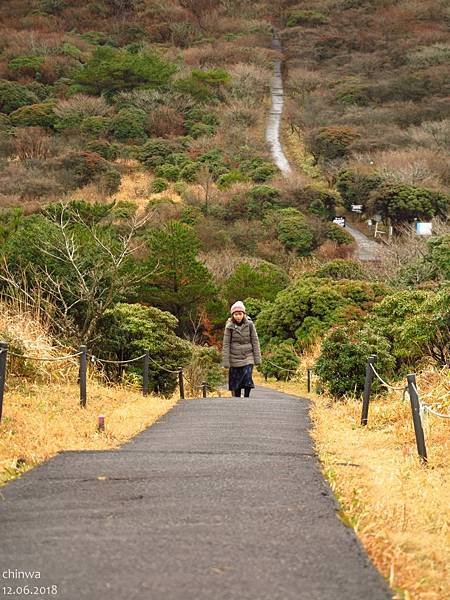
pixel 240 377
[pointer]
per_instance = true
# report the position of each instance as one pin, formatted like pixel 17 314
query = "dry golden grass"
pixel 41 420
pixel 399 509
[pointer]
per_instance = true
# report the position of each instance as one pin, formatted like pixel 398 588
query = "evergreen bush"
pixel 14 95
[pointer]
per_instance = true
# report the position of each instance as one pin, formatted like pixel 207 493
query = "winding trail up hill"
pixel 221 499
pixel 366 249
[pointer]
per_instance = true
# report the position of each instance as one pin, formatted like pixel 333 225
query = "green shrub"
pixel 253 306
pixel 195 117
pixel 294 232
pixel 40 115
pixel 229 179
pixel 262 282
pixel 417 324
pixel 128 124
pixel 159 185
pixel 110 70
pixel 263 173
pixel 306 17
pixel 156 151
pixel 355 187
pixel 189 171
pixel 337 234
pixel 129 330
pixel 428 331
pixel 103 148
pixel 215 161
pixel 331 142
pixel 257 169
pixel 26 65
pixel 340 269
pixel 5 123
pixel 179 159
pixel 95 126
pixel 309 307
pixel 199 129
pixel 404 203
pixel 318 201
pixel 353 94
pixel 205 85
pixel 439 254
pixel 14 95
pixel 191 215
pixel 68 49
pixel 343 359
pixel 280 361
pixel 264 193
pixel 170 172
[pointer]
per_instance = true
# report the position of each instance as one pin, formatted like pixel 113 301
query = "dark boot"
pixel 237 393
pixel 247 392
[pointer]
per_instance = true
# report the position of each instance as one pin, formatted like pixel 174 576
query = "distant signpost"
pixel 357 208
pixel 339 221
pixel 424 228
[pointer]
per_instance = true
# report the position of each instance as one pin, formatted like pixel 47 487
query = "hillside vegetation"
pixel 138 198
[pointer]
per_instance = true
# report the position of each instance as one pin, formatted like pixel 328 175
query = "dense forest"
pixel 138 196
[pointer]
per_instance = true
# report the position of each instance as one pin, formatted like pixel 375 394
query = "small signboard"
pixel 424 228
pixel 358 208
pixel 339 221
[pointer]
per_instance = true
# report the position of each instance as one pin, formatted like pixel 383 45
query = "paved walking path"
pixel 220 499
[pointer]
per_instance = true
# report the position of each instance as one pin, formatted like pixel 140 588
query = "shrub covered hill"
pixel 138 197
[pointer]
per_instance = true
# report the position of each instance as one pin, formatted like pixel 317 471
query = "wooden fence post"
pixel 83 375
pixel 145 373
pixel 367 389
pixel 3 356
pixel 415 409
pixel 181 382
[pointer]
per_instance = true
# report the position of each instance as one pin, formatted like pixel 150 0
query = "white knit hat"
pixel 237 306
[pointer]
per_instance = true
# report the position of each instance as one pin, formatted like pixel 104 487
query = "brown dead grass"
pixel 41 420
pixel 399 509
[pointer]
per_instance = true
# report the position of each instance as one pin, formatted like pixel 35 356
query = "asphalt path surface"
pixel 222 498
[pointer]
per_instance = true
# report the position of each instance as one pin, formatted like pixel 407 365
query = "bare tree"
pixel 93 272
pixel 205 179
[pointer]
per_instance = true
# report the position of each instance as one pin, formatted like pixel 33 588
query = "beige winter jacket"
pixel 240 344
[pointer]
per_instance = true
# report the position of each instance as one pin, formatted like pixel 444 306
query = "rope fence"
pixel 96 359
pixel 418 406
pixel 278 366
pixel 427 408
pixel 388 385
pixel 83 358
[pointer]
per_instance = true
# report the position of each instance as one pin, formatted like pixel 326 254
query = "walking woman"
pixel 240 350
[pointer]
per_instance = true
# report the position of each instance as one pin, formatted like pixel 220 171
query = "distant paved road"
pixel 221 499
pixel 366 249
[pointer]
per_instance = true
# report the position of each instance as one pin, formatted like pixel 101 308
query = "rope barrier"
pixel 391 387
pixel 53 359
pixel 427 407
pixel 434 412
pixel 278 366
pixel 95 359
pixel 198 387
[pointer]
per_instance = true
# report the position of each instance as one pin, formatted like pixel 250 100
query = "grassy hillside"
pixel 138 200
